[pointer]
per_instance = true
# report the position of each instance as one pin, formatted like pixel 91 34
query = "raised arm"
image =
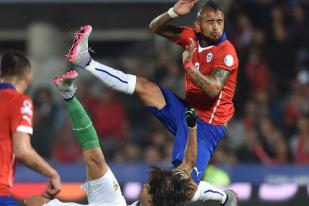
pixel 189 160
pixel 211 85
pixel 161 24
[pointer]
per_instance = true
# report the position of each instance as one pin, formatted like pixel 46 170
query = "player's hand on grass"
pixel 53 187
pixel 187 55
pixel 35 201
pixel 183 7
pixel 191 117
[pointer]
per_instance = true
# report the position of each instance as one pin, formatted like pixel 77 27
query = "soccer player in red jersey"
pixel 16 112
pixel 167 107
pixel 211 78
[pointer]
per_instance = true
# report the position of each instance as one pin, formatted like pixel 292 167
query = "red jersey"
pixel 15 116
pixel 219 110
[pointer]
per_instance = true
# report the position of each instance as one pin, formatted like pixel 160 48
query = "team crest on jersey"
pixel 209 57
pixel 228 60
pixel 26 108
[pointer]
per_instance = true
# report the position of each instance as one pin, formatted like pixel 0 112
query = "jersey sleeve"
pixel 21 115
pixel 226 58
pixel 185 35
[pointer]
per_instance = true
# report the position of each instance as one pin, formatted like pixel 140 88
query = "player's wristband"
pixel 172 13
pixel 189 65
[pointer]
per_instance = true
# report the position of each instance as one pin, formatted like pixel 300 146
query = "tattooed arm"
pixel 211 85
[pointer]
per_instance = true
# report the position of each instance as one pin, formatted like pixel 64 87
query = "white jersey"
pixel 206 192
pixel 104 191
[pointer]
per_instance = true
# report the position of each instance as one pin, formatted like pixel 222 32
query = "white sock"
pixel 113 78
pixel 206 191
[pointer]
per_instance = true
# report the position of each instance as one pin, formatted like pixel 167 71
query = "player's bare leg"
pixel 78 55
pixel 82 127
pixel 149 93
pixel 102 186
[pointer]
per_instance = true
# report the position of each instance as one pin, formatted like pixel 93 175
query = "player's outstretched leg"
pixel 82 127
pixel 78 55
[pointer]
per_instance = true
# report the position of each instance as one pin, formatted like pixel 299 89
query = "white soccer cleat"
pixel 78 54
pixel 65 84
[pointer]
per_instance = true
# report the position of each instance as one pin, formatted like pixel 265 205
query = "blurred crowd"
pixel 271 123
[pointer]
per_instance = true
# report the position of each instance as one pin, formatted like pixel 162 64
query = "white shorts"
pixel 104 191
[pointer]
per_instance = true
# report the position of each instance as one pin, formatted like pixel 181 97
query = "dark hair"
pixel 213 5
pixel 169 187
pixel 14 64
pixel 210 4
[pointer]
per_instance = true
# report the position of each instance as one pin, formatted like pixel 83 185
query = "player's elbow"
pixel 212 93
pixel 190 162
pixel 21 152
pixel 152 27
pixel 215 90
pixel 156 28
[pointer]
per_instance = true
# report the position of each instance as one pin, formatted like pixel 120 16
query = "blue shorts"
pixel 208 136
pixel 7 201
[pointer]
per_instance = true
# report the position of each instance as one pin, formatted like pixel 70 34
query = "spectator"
pixel 109 116
pixel 300 141
pixel 257 72
pixel 47 120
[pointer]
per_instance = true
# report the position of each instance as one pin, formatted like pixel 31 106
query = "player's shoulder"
pixel 226 47
pixel 226 44
pixel 21 99
pixel 10 95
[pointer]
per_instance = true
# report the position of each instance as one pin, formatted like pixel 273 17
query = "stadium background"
pixel 265 154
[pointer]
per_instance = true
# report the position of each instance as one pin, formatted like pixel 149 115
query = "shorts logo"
pixel 209 57
pixel 197 172
pixel 228 60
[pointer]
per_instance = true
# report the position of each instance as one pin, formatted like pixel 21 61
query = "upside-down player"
pixel 165 187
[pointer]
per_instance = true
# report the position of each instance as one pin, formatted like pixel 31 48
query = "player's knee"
pixel 94 158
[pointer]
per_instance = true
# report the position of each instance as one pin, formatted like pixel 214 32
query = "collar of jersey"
pixel 222 38
pixel 6 86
